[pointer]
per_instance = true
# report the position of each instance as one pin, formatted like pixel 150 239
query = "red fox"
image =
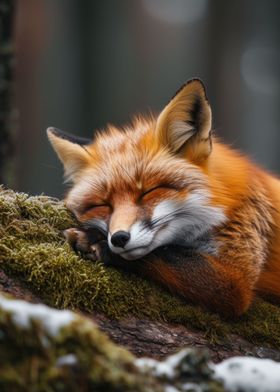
pixel 165 198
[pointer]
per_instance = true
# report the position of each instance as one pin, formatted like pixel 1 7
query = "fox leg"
pixel 201 279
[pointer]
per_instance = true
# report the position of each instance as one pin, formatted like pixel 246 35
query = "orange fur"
pixel 124 174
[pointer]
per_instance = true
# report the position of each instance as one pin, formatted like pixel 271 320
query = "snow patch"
pixel 170 388
pixel 23 312
pixel 249 374
pixel 165 369
pixel 191 387
pixel 237 374
pixel 67 360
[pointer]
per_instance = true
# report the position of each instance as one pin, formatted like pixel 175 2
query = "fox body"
pixel 168 200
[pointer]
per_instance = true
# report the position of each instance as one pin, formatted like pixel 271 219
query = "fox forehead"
pixel 124 177
pixel 130 162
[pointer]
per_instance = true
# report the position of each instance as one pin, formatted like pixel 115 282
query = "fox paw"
pixel 92 245
pixel 89 245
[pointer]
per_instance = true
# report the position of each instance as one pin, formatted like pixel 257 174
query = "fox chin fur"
pixel 175 204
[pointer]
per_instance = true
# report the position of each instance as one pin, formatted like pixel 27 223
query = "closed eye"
pixel 159 187
pixel 95 206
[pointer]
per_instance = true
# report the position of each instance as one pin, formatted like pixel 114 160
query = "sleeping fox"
pixel 165 198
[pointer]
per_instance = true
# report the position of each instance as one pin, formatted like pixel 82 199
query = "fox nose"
pixel 120 238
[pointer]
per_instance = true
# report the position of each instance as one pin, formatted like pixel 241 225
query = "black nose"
pixel 120 238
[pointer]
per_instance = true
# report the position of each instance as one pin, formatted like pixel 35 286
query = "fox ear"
pixel 184 125
pixel 71 151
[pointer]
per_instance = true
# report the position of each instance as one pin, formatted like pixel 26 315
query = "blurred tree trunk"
pixel 6 91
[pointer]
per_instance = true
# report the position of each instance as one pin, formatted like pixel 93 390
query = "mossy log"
pixel 44 349
pixel 38 265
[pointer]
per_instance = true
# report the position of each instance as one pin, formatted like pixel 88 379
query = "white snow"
pixel 238 374
pixel 191 387
pixel 187 387
pixel 249 374
pixel 23 312
pixel 165 369
pixel 67 360
pixel 170 388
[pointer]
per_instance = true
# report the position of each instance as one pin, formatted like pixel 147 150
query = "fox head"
pixel 146 185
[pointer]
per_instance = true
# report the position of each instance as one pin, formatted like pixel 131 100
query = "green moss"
pixel 33 249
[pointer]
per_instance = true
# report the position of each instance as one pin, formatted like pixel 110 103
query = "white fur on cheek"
pixel 164 209
pixel 139 235
pixel 187 220
pixel 203 215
